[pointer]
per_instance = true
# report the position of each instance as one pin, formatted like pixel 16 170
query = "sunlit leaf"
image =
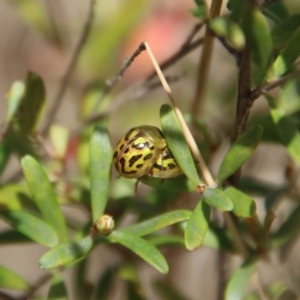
pixel 218 199
pixel 64 254
pixel 288 132
pixel 58 289
pixel 177 143
pixel 32 227
pixel 142 248
pixel 227 29
pixel 11 280
pixel 101 154
pixel 165 240
pixel 240 151
pixel 239 280
pixel 244 206
pixel 14 99
pixel 59 136
pixel 197 226
pixel 43 195
pixel 156 223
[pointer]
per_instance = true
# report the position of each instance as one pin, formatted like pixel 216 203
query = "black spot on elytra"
pixel 126 150
pixel 152 147
pixel 122 162
pixel 116 154
pixel 171 165
pixel 122 146
pixel 148 156
pixel 140 146
pixel 133 159
pixel 139 166
pixel 159 167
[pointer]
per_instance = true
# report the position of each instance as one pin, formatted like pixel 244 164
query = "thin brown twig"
pixel 67 77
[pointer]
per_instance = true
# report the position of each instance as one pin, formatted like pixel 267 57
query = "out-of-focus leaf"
pixel 288 132
pixel 142 248
pixel 14 197
pixel 288 229
pixel 101 154
pixel 258 38
pixel 103 285
pixel 32 104
pixel 283 31
pixel 274 197
pixel 43 195
pixel 270 132
pixel 287 56
pixel 31 226
pixel 80 278
pixel 240 151
pixel 64 254
pixel 277 11
pixel 289 96
pixel 58 289
pixel 168 291
pixel 201 11
pixel 154 224
pixel 228 30
pixel 108 36
pixel 15 96
pixel 197 226
pixel 219 239
pixel 218 199
pixel 239 280
pixel 59 136
pixel 177 143
pixel 5 152
pixel 13 237
pixel 254 186
pixel 236 7
pixel 11 280
pixel 244 206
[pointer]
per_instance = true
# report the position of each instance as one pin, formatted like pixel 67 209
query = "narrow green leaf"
pixel 64 254
pixel 239 280
pixel 58 289
pixel 229 30
pixel 11 280
pixel 154 224
pixel 142 248
pixel 244 206
pixel 177 143
pixel 15 96
pixel 258 38
pixel 201 11
pixel 80 278
pixel 32 104
pixel 290 136
pixel 43 195
pixel 218 199
pixel 31 226
pixel 287 56
pixel 240 151
pixel 5 152
pixel 101 154
pixel 197 226
pixel 283 31
pixel 160 240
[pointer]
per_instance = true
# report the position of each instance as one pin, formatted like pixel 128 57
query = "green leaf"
pixel 197 226
pixel 236 7
pixel 5 152
pixel 239 280
pixel 58 289
pixel 177 143
pixel 154 224
pixel 11 280
pixel 15 96
pixel 244 206
pixel 201 11
pixel 31 226
pixel 13 237
pixel 288 229
pixel 288 132
pixel 218 199
pixel 283 31
pixel 67 253
pixel 43 195
pixel 142 248
pixel 165 240
pixel 287 56
pixel 258 39
pixel 32 104
pixel 101 154
pixel 229 30
pixel 240 151
pixel 167 291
